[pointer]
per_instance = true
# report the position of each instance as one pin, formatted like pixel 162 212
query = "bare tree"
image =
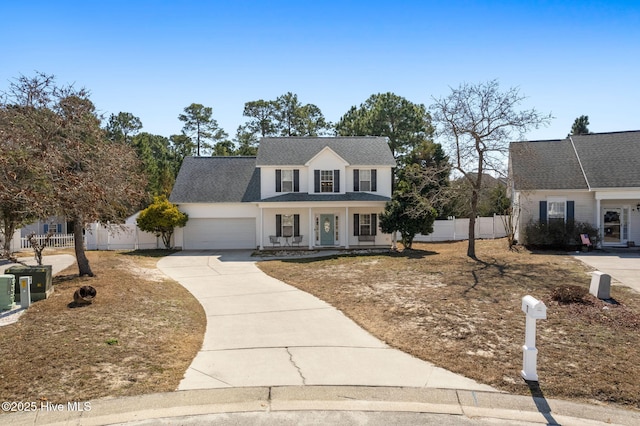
pixel 477 122
pixel 39 246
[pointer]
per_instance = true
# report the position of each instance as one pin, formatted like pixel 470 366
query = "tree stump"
pixel 84 295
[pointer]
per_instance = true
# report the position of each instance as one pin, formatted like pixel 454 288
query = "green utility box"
pixel 7 288
pixel 41 279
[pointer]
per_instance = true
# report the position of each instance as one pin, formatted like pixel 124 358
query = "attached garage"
pixel 215 234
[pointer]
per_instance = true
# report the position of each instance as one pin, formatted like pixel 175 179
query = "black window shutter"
pixel 336 181
pixel 296 225
pixel 543 212
pixel 278 180
pixel 356 225
pixel 374 224
pixel 374 180
pixel 316 181
pixel 571 210
pixel 278 225
pixel 356 180
pixel 296 180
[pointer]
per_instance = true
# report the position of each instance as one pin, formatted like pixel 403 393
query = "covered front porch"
pixel 332 225
pixel 618 218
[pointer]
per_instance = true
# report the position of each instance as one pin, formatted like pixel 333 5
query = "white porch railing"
pixel 57 240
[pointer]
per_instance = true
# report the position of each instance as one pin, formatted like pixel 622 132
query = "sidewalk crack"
pixel 304 380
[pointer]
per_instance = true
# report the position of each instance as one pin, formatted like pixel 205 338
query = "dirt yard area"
pixel 464 315
pixel 138 336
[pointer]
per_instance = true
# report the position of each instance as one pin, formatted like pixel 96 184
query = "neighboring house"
pixel 57 224
pixel 592 178
pixel 306 191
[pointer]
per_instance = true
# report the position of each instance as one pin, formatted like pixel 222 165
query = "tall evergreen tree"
pixel 580 126
pixel 406 124
pixel 123 126
pixel 201 127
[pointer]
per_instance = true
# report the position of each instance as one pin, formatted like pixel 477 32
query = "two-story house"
pixel 302 191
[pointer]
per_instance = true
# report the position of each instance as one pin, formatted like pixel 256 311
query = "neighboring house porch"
pixel 56 224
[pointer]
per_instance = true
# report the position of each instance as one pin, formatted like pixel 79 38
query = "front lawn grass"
pixel 465 315
pixel 138 336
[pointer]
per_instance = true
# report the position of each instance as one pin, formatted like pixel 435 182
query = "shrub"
pixel 569 294
pixel 161 218
pixel 558 234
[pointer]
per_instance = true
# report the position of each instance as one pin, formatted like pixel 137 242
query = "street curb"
pixel 190 403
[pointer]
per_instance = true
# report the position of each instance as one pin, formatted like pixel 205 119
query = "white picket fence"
pixel 458 229
pixel 56 240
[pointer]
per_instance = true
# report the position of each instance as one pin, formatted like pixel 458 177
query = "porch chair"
pixel 274 240
pixel 586 242
pixel 297 239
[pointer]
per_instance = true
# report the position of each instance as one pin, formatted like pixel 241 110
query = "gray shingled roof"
pixel 357 151
pixel 217 179
pixel 545 165
pixel 303 196
pixel 609 160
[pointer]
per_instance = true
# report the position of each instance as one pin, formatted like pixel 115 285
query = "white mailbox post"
pixel 534 309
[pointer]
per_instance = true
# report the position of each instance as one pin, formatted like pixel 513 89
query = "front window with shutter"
pixel 556 211
pixel 365 180
pixel 287 181
pixel 287 225
pixel 365 224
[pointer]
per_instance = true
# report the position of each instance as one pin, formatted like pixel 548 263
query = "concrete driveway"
pixel 624 267
pixel 263 332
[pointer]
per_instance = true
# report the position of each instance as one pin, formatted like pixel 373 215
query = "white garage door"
pixel 207 234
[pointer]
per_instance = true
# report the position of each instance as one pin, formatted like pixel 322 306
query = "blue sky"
pixel 153 58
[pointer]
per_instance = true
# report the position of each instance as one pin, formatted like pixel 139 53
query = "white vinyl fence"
pixel 458 229
pixel 120 237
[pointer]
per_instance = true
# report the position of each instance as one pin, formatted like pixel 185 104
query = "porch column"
pixel 598 218
pixel 312 235
pixel 260 226
pixel 346 227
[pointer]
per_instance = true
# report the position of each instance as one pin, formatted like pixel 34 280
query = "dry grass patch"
pixel 465 315
pixel 139 335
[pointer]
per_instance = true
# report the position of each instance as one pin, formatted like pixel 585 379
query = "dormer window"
pixel 326 180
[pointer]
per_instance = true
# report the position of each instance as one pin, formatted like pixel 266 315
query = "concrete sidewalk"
pixel 623 266
pixel 263 332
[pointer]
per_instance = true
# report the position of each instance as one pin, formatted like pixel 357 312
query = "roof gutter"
pixel 580 163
